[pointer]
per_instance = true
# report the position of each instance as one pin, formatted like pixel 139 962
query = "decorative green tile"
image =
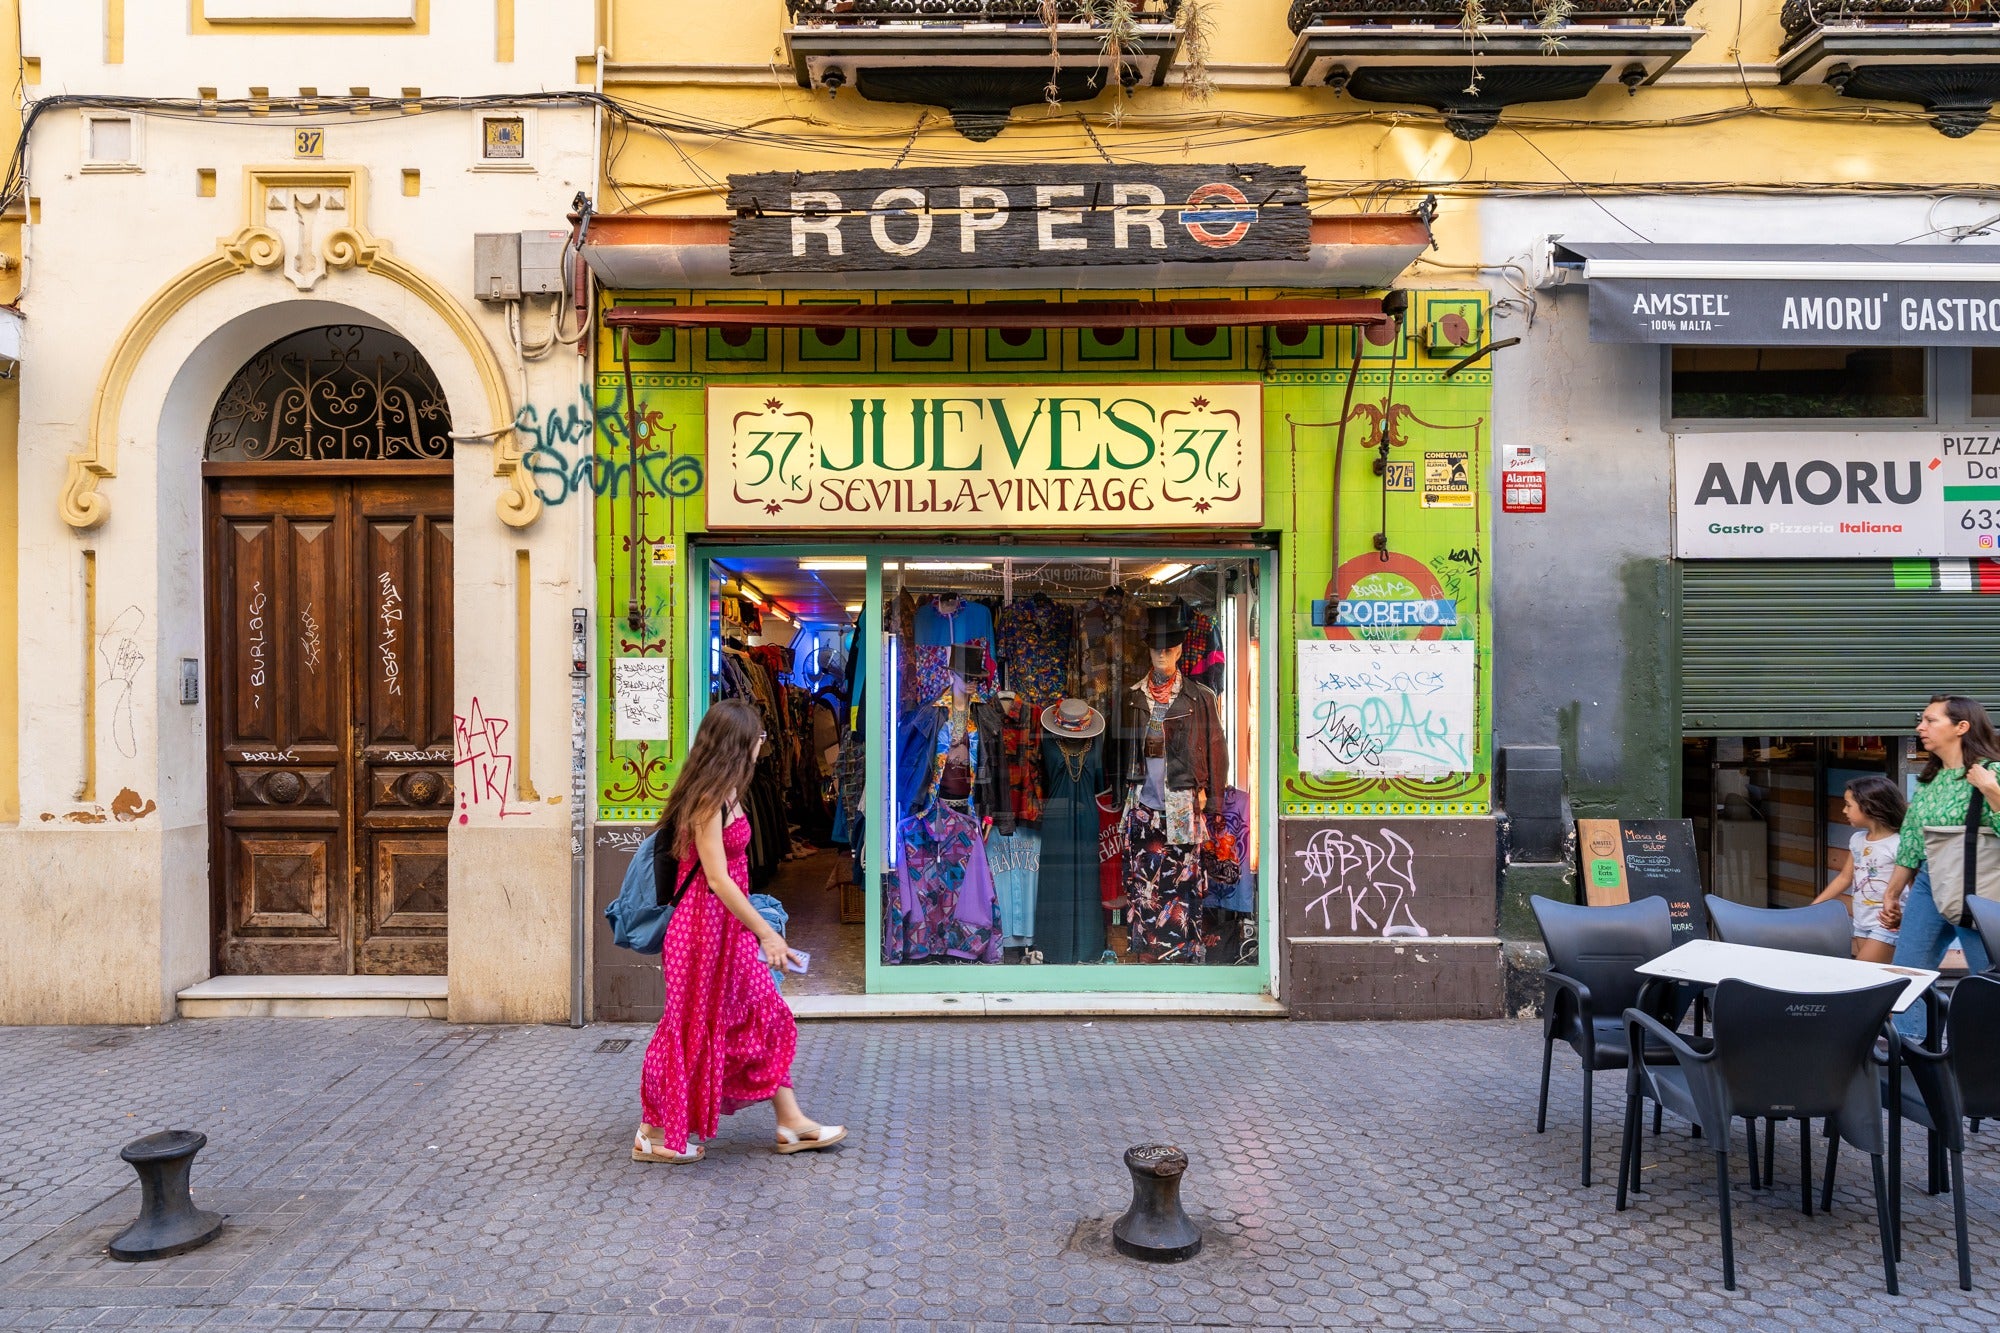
pixel 1017 344
pixel 1110 344
pixel 1202 344
pixel 1295 342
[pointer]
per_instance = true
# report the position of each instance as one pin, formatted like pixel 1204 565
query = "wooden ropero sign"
pixel 1027 216
pixel 1624 859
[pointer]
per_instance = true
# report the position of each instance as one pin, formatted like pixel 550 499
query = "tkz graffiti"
pixel 559 452
pixel 1377 877
pixel 483 768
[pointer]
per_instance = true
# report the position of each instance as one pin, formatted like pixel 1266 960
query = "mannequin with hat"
pixel 1171 755
pixel 1069 912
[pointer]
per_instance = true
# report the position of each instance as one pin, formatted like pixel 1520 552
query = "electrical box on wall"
pixel 542 261
pixel 496 266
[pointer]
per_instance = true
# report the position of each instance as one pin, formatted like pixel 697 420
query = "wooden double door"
pixel 331 745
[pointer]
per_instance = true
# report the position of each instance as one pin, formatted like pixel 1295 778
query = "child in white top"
pixel 1875 806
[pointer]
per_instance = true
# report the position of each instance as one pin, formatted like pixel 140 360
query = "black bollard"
pixel 169 1223
pixel 1154 1227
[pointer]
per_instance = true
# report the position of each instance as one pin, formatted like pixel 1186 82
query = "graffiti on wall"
pixel 118 646
pixel 484 767
pixel 1367 882
pixel 558 448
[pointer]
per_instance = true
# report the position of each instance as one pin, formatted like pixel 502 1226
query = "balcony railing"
pixel 1446 13
pixel 1024 12
pixel 1802 16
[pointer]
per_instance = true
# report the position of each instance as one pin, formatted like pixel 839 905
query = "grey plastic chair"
pixel 1824 928
pixel 1772 1055
pixel 1590 982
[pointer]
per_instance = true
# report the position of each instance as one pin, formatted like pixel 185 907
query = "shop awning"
pixel 643 253
pixel 1009 315
pixel 1771 295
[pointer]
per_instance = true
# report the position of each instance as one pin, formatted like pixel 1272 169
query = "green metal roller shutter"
pixel 1827 648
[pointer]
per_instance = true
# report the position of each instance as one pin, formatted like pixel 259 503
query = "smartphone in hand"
pixel 800 963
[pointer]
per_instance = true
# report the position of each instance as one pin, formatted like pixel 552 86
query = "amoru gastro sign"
pixel 986 456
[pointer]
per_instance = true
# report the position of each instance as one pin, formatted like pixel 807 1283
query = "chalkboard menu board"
pixel 1619 860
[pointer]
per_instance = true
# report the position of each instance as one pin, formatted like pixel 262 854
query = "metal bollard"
pixel 169 1223
pixel 1155 1228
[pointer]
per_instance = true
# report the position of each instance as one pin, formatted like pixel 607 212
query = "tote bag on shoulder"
pixel 1964 861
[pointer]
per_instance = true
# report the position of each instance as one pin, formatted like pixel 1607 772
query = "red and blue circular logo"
pixel 1217 215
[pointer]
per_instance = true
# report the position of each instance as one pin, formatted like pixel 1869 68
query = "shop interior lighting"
pixel 1169 572
pixel 944 564
pixel 854 608
pixel 832 562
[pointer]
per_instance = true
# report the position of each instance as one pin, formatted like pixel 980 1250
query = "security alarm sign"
pixel 1523 484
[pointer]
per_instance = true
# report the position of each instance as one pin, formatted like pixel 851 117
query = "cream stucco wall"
pixel 104 895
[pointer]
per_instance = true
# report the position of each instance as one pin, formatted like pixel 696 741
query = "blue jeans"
pixel 1923 941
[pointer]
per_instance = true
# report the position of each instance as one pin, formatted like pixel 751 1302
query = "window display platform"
pixel 1048 1004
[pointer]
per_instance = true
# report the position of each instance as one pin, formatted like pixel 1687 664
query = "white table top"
pixel 1707 962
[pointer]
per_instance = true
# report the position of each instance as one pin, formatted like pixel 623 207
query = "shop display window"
pixel 1801 383
pixel 1985 383
pixel 1767 811
pixel 1038 761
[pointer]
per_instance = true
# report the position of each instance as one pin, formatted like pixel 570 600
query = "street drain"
pixel 613 1045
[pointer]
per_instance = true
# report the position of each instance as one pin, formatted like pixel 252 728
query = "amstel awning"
pixel 1771 295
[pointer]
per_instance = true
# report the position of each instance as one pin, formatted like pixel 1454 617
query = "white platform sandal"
pixel 646 1150
pixel 820 1136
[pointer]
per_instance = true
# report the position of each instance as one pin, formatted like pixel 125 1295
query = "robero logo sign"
pixel 995 217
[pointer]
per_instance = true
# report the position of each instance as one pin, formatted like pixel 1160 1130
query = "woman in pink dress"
pixel 726 1039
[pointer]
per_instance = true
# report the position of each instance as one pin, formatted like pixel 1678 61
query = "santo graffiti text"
pixel 559 452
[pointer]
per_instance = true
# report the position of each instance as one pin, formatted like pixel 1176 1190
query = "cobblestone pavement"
pixel 407 1174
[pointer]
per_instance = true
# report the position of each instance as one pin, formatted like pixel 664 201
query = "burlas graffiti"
pixel 559 451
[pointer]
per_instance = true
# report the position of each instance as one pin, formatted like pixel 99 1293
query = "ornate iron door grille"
pixel 339 393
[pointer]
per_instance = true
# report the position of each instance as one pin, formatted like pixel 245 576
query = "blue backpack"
pixel 637 918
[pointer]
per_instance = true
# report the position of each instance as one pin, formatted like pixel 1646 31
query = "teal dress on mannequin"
pixel 1069 915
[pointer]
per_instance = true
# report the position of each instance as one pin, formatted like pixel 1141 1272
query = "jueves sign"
pixel 1769 312
pixel 992 456
pixel 1784 496
pixel 989 217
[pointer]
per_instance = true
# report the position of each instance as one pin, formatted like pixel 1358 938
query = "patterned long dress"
pixel 726 1039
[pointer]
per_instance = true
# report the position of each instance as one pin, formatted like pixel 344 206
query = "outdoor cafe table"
pixel 1710 962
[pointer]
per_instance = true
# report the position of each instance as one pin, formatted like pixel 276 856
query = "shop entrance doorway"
pixel 329 609
pixel 925 825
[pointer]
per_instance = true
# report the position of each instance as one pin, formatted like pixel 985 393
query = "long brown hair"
pixel 1979 741
pixel 718 770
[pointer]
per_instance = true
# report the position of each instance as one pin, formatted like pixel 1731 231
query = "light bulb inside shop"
pixel 854 608
pixel 835 562
pixel 1169 572
pixel 752 598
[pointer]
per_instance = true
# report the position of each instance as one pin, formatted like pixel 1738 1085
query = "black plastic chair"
pixel 1942 1090
pixel 1774 1055
pixel 1591 981
pixel 1824 928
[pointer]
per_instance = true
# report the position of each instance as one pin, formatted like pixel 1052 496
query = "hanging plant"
pixel 1551 16
pixel 1197 28
pixel 1471 18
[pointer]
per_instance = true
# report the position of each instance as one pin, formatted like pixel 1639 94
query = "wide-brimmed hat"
pixel 1166 627
pixel 966 660
pixel 1073 719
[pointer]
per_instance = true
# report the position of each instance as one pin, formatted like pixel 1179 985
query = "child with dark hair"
pixel 1875 807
